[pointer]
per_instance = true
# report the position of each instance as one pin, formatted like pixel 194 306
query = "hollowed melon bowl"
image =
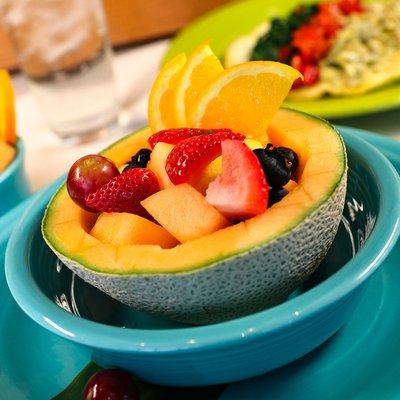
pixel 170 353
pixel 13 182
pixel 234 271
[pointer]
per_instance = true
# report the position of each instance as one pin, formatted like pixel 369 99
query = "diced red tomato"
pixel 311 43
pixel 350 6
pixel 310 74
pixel 284 53
pixel 328 17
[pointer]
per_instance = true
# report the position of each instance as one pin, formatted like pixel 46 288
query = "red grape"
pixel 87 175
pixel 111 384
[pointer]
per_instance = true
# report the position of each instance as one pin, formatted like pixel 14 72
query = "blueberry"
pixel 139 160
pixel 273 167
pixel 278 163
pixel 289 157
pixel 276 194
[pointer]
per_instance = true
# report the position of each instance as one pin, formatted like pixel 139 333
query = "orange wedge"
pixel 244 98
pixel 7 111
pixel 201 68
pixel 161 113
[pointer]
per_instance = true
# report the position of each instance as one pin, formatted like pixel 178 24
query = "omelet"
pixel 364 55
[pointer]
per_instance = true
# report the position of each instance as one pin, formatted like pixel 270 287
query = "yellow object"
pixel 7 154
pixel 157 163
pixel 290 185
pixel 7 110
pixel 184 212
pixel 66 226
pixel 200 69
pixel 252 144
pixel 244 98
pixel 123 229
pixel 161 114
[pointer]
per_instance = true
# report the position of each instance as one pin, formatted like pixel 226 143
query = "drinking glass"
pixel 63 49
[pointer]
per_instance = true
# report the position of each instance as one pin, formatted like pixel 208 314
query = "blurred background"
pixel 87 68
pixel 132 21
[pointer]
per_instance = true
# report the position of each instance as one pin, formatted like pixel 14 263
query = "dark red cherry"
pixel 111 384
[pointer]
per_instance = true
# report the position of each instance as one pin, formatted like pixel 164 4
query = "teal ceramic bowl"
pixel 168 353
pixel 13 182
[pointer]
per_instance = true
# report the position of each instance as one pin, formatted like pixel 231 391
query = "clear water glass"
pixel 63 49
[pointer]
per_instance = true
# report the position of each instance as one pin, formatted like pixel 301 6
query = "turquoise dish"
pixel 13 181
pixel 167 353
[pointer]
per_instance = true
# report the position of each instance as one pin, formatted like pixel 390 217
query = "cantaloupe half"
pixel 233 271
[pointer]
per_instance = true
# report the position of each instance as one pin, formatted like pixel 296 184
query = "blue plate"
pixel 350 362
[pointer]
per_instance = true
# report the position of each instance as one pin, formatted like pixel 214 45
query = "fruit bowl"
pixel 170 353
pixel 13 182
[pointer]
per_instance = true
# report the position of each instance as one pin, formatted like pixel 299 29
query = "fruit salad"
pixel 211 177
pixel 341 47
pixel 221 207
pixel 8 136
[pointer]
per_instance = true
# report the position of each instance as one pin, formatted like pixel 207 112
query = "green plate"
pixel 238 18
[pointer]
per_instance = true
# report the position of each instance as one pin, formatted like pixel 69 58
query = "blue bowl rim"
pixel 16 164
pixel 225 334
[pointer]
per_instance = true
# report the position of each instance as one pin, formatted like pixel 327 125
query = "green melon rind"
pixel 232 287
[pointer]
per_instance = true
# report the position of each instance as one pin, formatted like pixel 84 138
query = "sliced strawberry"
pixel 241 191
pixel 125 192
pixel 189 157
pixel 176 135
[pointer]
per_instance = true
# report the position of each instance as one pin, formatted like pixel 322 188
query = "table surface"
pixel 47 157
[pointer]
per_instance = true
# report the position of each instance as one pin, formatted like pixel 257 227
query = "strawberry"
pixel 176 135
pixel 189 157
pixel 241 191
pixel 125 192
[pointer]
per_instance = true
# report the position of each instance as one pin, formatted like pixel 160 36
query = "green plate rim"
pixel 222 26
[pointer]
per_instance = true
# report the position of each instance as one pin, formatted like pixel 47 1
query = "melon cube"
pixel 184 212
pixel 157 163
pixel 7 154
pixel 124 229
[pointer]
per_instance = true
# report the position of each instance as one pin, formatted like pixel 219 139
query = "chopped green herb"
pixel 280 33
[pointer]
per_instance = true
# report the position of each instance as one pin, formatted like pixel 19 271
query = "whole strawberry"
pixel 125 192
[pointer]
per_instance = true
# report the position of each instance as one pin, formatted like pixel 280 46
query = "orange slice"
pixel 244 98
pixel 201 68
pixel 7 111
pixel 161 113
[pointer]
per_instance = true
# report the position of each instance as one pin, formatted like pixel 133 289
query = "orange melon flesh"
pixel 7 154
pixel 123 228
pixel 157 163
pixel 184 212
pixel 290 185
pixel 310 137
